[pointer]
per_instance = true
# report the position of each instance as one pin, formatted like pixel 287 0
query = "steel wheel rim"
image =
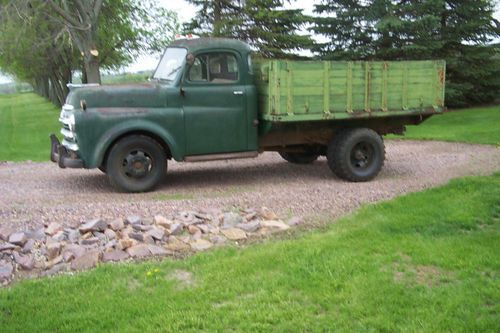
pixel 362 155
pixel 137 164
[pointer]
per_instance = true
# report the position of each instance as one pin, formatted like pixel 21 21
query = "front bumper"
pixel 60 155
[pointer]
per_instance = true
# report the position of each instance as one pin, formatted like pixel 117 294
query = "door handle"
pixel 238 92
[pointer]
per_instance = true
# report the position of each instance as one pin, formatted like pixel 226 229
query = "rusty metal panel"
pixel 317 90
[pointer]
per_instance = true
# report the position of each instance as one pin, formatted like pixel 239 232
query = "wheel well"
pixel 153 136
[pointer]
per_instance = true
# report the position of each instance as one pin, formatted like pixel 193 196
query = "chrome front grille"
pixel 67 118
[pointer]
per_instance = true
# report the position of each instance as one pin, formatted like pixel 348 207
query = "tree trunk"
pixel 92 69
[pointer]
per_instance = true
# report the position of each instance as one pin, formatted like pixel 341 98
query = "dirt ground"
pixel 34 193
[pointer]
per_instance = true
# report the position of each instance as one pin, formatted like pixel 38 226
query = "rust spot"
pixel 441 76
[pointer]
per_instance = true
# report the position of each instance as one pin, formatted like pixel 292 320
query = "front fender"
pixel 134 126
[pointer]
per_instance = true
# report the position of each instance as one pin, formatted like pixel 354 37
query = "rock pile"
pixel 55 248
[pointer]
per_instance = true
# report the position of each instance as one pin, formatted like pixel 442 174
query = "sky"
pixel 185 11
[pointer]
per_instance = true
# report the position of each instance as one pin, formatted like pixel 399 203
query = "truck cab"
pixel 200 104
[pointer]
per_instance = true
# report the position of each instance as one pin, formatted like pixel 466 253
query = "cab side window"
pixel 214 68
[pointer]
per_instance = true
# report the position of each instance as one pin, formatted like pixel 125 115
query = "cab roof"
pixel 206 43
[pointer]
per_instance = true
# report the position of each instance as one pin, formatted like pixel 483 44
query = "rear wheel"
pixel 356 154
pixel 299 158
pixel 136 163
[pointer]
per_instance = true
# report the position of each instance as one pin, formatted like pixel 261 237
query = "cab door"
pixel 214 105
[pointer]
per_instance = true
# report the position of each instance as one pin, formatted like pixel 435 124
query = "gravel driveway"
pixel 33 193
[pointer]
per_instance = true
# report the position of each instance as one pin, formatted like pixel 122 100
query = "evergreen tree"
pixel 459 31
pixel 265 24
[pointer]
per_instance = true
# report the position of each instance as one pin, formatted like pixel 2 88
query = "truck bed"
pixel 291 91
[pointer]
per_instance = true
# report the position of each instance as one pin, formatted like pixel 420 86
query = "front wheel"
pixel 356 154
pixel 136 163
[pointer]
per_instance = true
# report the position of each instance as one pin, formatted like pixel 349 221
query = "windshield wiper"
pixel 174 70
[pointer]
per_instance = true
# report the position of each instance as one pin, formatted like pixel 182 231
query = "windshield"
pixel 170 64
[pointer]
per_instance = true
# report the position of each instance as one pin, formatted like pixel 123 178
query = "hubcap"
pixel 137 164
pixel 362 155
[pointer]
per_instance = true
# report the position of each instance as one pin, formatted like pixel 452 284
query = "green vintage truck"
pixel 208 101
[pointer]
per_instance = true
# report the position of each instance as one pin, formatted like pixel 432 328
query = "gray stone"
pixel 139 251
pixel 6 271
pixel 53 250
pixel 267 214
pixel 140 227
pixel 273 224
pixel 162 221
pixel 217 239
pixel 133 219
pixel 187 217
pixel 73 235
pixel 147 221
pixel 193 229
pixel 124 244
pixel 93 225
pixel 204 228
pixel 7 247
pixel 231 219
pixel 5 233
pixel 18 238
pixel 250 226
pixel 115 255
pixel 234 234
pixel 250 216
pixel 86 261
pixel 59 268
pixel 28 247
pixel 174 244
pixel 53 228
pixel 176 229
pixel 201 245
pixel 100 235
pixel 156 233
pixel 148 239
pixel 111 244
pixel 116 225
pixel 59 236
pixel 26 262
pixel 110 234
pixel 38 234
pixel 75 249
pixel 53 262
pixel 157 250
pixel 90 241
pixel 137 236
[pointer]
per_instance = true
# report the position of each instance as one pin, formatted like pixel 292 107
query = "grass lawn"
pixel 26 120
pixel 426 261
pixel 474 125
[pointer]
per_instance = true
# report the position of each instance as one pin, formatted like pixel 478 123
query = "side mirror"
pixel 190 59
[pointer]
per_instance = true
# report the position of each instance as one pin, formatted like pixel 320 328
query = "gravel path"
pixel 33 193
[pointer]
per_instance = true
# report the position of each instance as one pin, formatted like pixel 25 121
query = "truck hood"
pixel 145 95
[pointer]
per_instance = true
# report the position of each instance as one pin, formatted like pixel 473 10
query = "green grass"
pixel 26 120
pixel 475 125
pixel 427 261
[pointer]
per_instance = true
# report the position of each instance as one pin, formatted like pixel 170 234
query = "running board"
pixel 213 157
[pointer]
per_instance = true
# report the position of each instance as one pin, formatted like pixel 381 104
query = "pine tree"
pixel 265 24
pixel 459 31
pixel 216 18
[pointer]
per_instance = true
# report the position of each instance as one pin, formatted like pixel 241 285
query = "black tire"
pixel 136 163
pixel 299 158
pixel 356 154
